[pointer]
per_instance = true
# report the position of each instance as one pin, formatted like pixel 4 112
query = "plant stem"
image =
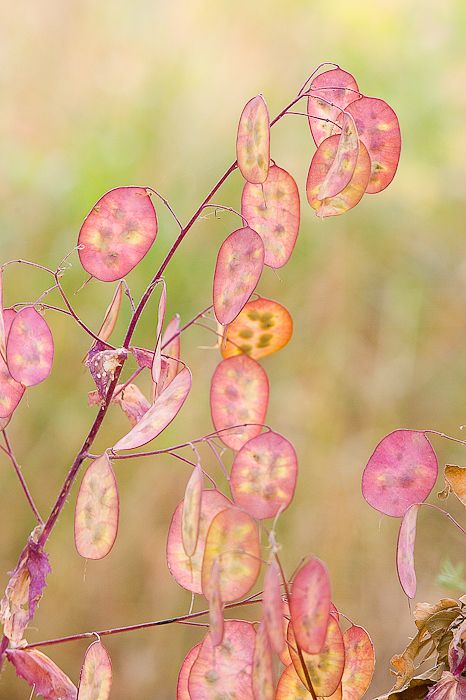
pixel 22 481
pixel 141 626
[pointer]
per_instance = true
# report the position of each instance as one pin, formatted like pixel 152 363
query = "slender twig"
pixel 22 481
pixel 223 208
pixel 167 204
pixel 321 65
pixel 446 514
pixel 252 600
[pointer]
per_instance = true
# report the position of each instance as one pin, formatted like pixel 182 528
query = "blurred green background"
pixel 100 94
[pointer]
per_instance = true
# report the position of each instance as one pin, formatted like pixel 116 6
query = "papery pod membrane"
pixel 171 345
pixel 263 327
pixel 187 570
pixel 157 361
pixel 273 210
pixel 225 671
pixel 401 471
pixel 405 551
pixel 310 600
pixel 263 475
pixel 379 131
pixel 117 233
pixel 239 395
pixel 24 590
pixel 326 668
pixel 262 667
pixel 29 348
pixel 164 409
pixel 191 510
pixel 457 650
pixel 253 141
pixel 285 656
pixel 341 171
pixel 42 674
pixel 96 674
pixel 143 357
pixel 320 166
pixel 182 691
pixel 97 510
pixel 359 663
pixel 4 422
pixel 290 686
pixel 455 477
pixel 111 314
pixel 273 608
pixel 239 266
pixel 335 86
pixel 213 595
pixel 233 540
pixel 11 392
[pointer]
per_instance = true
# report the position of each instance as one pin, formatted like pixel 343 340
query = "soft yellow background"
pixel 100 94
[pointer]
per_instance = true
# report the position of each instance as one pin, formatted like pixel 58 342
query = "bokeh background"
pixel 100 94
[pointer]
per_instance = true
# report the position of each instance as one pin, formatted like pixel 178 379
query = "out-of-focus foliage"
pixel 97 95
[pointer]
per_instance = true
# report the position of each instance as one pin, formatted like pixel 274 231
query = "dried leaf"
pixel 456 479
pixel 40 672
pixel 103 365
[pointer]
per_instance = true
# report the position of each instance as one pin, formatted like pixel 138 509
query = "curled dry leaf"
pixel 24 590
pixel 30 348
pixel 131 400
pixel 233 541
pixel 262 667
pixel 42 674
pixel 401 471
pixel 97 510
pixel 359 663
pixel 455 477
pixel 182 690
pixel 253 141
pixel 449 687
pixel 117 233
pixel 191 510
pixel 187 570
pixel 341 170
pixel 225 671
pixel 103 365
pixel 239 394
pixel 290 686
pixel 326 668
pixel 273 608
pixel 273 210
pixel 164 409
pixel 335 86
pixel 405 551
pixel 263 327
pixel 239 266
pixel 263 475
pixel 96 674
pixel 379 130
pixel 321 165
pixel 309 602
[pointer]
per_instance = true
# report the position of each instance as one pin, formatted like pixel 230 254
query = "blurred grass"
pixel 102 94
